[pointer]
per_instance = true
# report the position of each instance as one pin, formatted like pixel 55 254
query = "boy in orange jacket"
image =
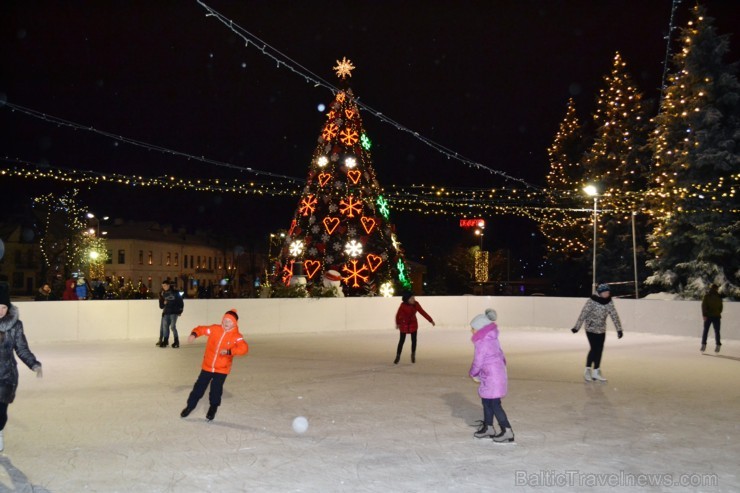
pixel 224 342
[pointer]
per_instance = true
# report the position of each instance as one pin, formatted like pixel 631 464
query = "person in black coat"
pixel 172 305
pixel 12 342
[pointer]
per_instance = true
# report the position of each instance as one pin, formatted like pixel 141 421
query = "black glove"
pixel 574 329
pixel 619 334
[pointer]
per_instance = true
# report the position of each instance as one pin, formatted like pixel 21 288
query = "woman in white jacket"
pixel 594 314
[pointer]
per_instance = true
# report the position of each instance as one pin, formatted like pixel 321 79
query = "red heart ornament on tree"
pixel 354 176
pixel 324 179
pixel 312 267
pixel 374 261
pixel 368 223
pixel 331 223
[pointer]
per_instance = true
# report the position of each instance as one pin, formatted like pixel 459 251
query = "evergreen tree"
pixel 616 163
pixel 342 220
pixel 696 227
pixel 566 229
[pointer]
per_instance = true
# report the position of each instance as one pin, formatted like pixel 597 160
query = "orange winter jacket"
pixel 219 339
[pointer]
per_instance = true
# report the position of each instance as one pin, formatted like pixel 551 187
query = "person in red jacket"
pixel 224 342
pixel 406 324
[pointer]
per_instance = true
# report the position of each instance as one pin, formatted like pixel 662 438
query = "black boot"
pixel 398 358
pixel 413 357
pixel 159 342
pixel 185 412
pixel 211 413
pixel 164 343
pixel 176 344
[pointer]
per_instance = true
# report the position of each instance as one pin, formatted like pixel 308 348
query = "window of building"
pixel 149 282
pixel 184 261
pixel 197 266
pixel 150 257
pixel 209 262
pixel 177 259
pixel 121 256
pixel 168 258
pixel 18 261
pixel 192 265
pixel 141 257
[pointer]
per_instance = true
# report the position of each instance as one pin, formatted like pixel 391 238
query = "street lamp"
pixel 591 191
pixel 90 216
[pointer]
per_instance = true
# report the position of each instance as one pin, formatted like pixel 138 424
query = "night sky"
pixel 488 79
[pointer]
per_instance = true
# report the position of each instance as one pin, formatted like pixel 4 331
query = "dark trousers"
pixel 3 414
pixel 491 408
pixel 402 339
pixel 596 341
pixel 217 388
pixel 711 321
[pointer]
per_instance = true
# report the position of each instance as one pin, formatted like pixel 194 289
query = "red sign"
pixel 472 223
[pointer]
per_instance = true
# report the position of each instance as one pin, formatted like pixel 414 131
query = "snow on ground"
pixel 105 417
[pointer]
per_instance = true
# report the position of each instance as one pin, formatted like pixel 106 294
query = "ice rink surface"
pixel 105 417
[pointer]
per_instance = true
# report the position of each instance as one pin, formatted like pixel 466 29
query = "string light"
pixel 283 60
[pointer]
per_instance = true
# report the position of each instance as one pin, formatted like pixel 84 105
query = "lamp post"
pixel 91 216
pixel 591 191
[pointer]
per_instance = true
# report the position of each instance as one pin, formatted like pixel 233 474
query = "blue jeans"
pixel 169 320
pixel 491 408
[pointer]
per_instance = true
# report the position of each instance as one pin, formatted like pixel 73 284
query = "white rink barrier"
pixel 54 321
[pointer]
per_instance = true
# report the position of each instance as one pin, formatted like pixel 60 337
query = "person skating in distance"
pixel 711 311
pixel 489 369
pixel 593 315
pixel 224 342
pixel 406 323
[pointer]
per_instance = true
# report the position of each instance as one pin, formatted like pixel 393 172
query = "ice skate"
pixel 176 344
pixel 164 344
pixel 587 374
pixel 506 436
pixel 597 376
pixel 703 347
pixel 716 348
pixel 398 358
pixel 485 431
pixel 185 412
pixel 159 342
pixel 2 441
pixel 413 357
pixel 211 413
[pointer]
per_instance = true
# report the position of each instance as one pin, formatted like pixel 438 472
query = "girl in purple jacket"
pixel 489 369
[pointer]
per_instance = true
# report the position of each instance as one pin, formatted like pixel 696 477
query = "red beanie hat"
pixel 231 314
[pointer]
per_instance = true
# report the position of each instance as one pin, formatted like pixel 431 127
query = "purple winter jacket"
pixel 489 363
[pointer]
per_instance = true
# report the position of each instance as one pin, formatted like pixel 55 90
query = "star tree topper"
pixel 344 68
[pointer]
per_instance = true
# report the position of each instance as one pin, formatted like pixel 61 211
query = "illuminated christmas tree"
pixel 693 194
pixel 616 163
pixel 566 228
pixel 342 222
